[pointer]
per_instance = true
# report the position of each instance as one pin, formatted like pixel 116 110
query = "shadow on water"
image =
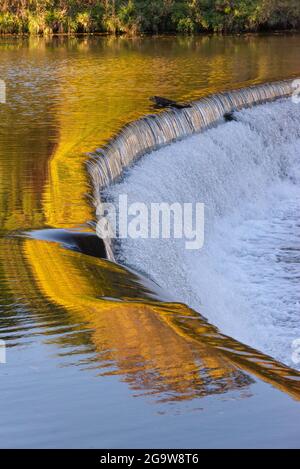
pixel 86 242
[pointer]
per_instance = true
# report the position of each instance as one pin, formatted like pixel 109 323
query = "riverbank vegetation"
pixel 146 16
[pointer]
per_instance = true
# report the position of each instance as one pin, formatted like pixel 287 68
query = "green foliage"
pixel 8 23
pixel 185 25
pixel 225 15
pixel 150 16
pixel 129 18
pixel 280 13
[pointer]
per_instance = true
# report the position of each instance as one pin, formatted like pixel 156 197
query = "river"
pixel 98 355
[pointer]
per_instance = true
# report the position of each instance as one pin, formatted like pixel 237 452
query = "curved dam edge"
pixel 151 132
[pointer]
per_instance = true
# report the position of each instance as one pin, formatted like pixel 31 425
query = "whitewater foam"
pixel 247 172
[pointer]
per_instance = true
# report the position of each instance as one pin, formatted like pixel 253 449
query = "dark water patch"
pixel 85 242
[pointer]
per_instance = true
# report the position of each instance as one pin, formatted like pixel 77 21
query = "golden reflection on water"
pixel 65 98
pixel 130 335
pixel 86 89
pixel 158 348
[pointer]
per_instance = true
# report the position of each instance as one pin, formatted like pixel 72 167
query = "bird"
pixel 161 102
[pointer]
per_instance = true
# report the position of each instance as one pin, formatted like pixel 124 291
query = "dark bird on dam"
pixel 229 116
pixel 161 102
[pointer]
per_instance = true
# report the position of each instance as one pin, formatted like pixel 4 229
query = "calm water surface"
pixel 96 355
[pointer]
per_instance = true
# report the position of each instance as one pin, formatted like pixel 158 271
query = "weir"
pixel 151 132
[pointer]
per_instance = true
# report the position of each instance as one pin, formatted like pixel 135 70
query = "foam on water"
pixel 247 172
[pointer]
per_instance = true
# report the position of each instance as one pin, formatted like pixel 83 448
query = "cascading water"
pixel 151 132
pixel 245 279
pixel 107 164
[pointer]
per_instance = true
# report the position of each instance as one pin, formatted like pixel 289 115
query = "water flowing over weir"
pixel 151 132
pixel 154 132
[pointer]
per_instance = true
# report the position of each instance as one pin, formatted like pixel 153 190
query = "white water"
pixel 246 278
